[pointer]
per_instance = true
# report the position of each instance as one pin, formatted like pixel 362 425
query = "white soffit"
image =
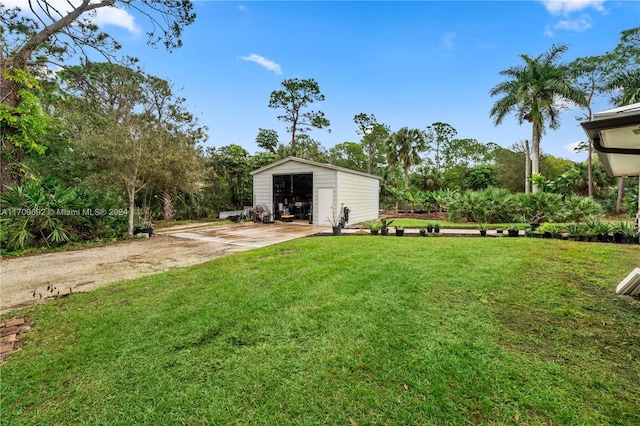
pixel 617 129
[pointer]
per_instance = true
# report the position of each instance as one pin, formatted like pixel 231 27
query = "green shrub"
pixel 45 212
pixel 30 214
pixel 538 207
pixel 489 205
pixel 579 209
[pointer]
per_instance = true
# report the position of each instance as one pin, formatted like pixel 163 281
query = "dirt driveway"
pixel 86 269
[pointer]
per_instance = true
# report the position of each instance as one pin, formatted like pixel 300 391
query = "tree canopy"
pixel 294 99
pixel 534 92
pixel 56 35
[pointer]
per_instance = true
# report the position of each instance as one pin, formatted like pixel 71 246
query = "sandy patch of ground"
pixel 50 274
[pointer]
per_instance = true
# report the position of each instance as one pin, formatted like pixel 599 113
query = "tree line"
pixel 110 136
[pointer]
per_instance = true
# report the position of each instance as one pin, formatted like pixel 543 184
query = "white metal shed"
pixel 315 192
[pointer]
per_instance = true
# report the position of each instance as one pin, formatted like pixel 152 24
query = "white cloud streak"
pixel 571 147
pixel 565 7
pixel 448 40
pixel 578 25
pixel 263 62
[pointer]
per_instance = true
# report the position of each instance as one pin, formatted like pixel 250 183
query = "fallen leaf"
pixel 353 422
pixel 406 386
pixel 516 417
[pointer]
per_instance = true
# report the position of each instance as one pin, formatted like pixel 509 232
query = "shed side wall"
pixel 359 193
pixel 263 190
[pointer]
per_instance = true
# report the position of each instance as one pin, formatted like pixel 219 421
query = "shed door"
pixel 325 206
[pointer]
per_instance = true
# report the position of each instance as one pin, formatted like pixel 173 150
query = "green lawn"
pixel 355 330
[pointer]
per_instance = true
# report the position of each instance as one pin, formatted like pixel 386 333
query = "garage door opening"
pixel 293 197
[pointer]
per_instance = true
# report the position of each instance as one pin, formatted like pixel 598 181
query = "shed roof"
pixel 616 136
pixel 316 164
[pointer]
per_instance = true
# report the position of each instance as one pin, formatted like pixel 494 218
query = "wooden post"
pixel 620 194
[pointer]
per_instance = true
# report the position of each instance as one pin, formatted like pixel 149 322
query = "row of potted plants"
pixel 382 227
pixel 591 230
pixel 595 230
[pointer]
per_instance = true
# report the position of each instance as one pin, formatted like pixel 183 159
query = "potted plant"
pixel 373 226
pixel 436 227
pixel 499 230
pixel 513 230
pixel 399 230
pixel 622 231
pixel 575 231
pixel 482 227
pixel 559 231
pixel 423 231
pixel 429 227
pixel 384 226
pixel 546 230
pixel 534 232
pixel 600 229
pixel 143 228
pixel 143 223
pixel 336 224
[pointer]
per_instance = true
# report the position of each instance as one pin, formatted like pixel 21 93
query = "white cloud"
pixel 578 25
pixel 564 104
pixel 448 40
pixel 104 16
pixel 117 17
pixel 242 7
pixel 571 147
pixel 564 7
pixel 263 62
pixel 548 31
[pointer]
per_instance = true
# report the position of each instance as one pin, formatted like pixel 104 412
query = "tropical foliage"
pixel 534 92
pixel 48 213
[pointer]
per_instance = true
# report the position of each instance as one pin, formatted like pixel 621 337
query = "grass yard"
pixel 355 330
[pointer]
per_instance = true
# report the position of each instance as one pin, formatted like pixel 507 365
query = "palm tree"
pixel 535 91
pixel 404 148
pixel 627 84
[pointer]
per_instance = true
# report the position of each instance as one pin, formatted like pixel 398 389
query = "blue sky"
pixel 409 63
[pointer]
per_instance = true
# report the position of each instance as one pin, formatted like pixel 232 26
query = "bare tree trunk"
pixel 527 167
pixel 131 192
pixel 620 194
pixel 406 189
pixel 535 156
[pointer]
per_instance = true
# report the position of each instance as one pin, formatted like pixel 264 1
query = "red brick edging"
pixel 10 330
